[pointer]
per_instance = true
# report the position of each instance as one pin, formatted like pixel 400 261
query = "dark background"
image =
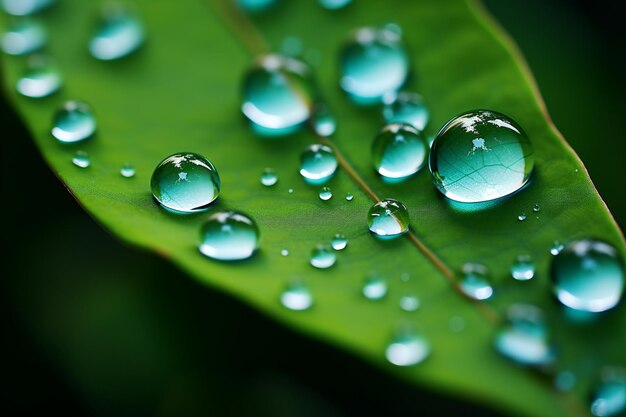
pixel 92 327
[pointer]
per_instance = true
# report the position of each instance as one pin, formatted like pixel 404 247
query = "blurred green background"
pixel 91 327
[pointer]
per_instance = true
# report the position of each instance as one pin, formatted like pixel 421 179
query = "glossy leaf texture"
pixel 181 92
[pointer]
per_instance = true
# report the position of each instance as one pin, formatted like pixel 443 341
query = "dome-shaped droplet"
pixel 74 122
pixel 373 62
pixel 521 217
pixel 322 257
pixel 325 193
pixel 119 34
pixel 25 7
pixel 481 156
pixel 269 177
pixel 23 37
pixel 339 242
pixel 408 348
pixel 409 302
pixel 349 197
pixel 229 236
pixel 41 78
pixel 398 151
pixel 474 283
pixel 81 159
pixel 374 288
pixel 388 219
pixel 524 338
pixel 317 164
pixel 556 248
pixel 609 396
pixel 185 182
pixel 278 94
pixel 523 268
pixel 127 171
pixel 406 107
pixel 297 297
pixel 588 275
pixel 334 4
pixel 323 121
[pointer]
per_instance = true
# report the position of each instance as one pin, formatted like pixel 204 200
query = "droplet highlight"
pixel 127 171
pixel 325 193
pixel 523 268
pixel 349 197
pixel 398 151
pixel 609 396
pixel 229 236
pixel 324 123
pixel 269 177
pixel 41 78
pixel 521 217
pixel 25 7
pixel 317 164
pixel 474 282
pixel 374 288
pixel 339 242
pixel 334 4
pixel 297 297
pixel 119 34
pixel 73 122
pixel 406 107
pixel 323 257
pixel 24 36
pixel 388 219
pixel 81 159
pixel 407 349
pixel 409 302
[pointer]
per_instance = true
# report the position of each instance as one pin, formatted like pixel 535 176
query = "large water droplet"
pixel 269 177
pixel 474 282
pixel 398 152
pixel 325 193
pixel 297 297
pixel 334 4
pixel 322 257
pixel 523 268
pixel 408 348
pixel 406 107
pixel 588 275
pixel 609 397
pixel 23 37
pixel 81 159
pixel 277 95
pixel 324 123
pixel 388 219
pixel 229 236
pixel 373 62
pixel 317 164
pixel 119 34
pixel 127 171
pixel 74 122
pixel 409 302
pixel 481 156
pixel 185 182
pixel 25 7
pixel 374 288
pixel 339 242
pixel 524 338
pixel 41 78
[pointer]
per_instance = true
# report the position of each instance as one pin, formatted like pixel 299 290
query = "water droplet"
pixel 536 208
pixel 269 177
pixel 588 276
pixel 565 381
pixel 292 46
pixel 398 152
pixel 81 159
pixel 25 7
pixel 277 95
pixel 349 197
pixel 323 257
pixel 41 78
pixel 405 277
pixel 284 252
pixel 334 4
pixel 523 268
pixel 339 242
pixel 324 123
pixel 474 282
pixel 481 156
pixel 254 6
pixel 408 348
pixel 609 396
pixel 24 36
pixel 394 27
pixel 326 193
pixel 524 338
pixel 556 248
pixel 119 34
pixel 290 191
pixel 317 164
pixel 74 122
pixel 456 324
pixel 229 236
pixel 127 171
pixel 185 182
pixel 388 219
pixel 406 107
pixel 374 288
pixel 297 297
pixel 409 302
pixel 373 62
pixel 521 217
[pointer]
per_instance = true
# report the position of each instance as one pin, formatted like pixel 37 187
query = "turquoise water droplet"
pixel 127 171
pixel 406 107
pixel 317 164
pixel 394 27
pixel 374 288
pixel 408 348
pixel 322 257
pixel 269 177
pixel 284 252
pixel 290 191
pixel 297 297
pixel 324 123
pixel 339 242
pixel 373 62
pixel 229 236
pixel 349 197
pixel 398 151
pixel 474 282
pixel 565 381
pixel 277 95
pixel 256 5
pixel 388 219
pixel 81 159
pixel 409 302
pixel 74 122
pixel 536 208
pixel 524 338
pixel 326 193
pixel 609 396
pixel 556 248
pixel 334 4
pixel 523 268
pixel 41 78
pixel 25 7
pixel 185 182
pixel 456 324
pixel 481 156
pixel 119 34
pixel 23 37
pixel 588 275
pixel 521 217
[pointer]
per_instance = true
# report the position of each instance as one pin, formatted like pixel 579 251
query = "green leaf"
pixel 181 92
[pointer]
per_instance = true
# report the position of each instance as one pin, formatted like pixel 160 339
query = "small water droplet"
pixel 25 7
pixel 127 171
pixel 74 122
pixel 229 236
pixel 324 123
pixel 269 177
pixel 81 159
pixel 398 151
pixel 456 324
pixel 317 164
pixel 405 107
pixel 326 193
pixel 322 257
pixel 388 219
pixel 118 34
pixel 565 381
pixel 588 275
pixel 41 78
pixel 292 46
pixel 284 252
pixel 481 156
pixel 474 282
pixel 349 197
pixel 405 277
pixel 556 248
pixel 339 242
pixel 334 4
pixel 394 27
pixel 24 36
pixel 524 338
pixel 185 182
pixel 521 217
pixel 609 396
pixel 407 348
pixel 297 297
pixel 536 208
pixel 374 288
pixel 290 191
pixel 373 62
pixel 523 268
pixel 409 302
pixel 255 6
